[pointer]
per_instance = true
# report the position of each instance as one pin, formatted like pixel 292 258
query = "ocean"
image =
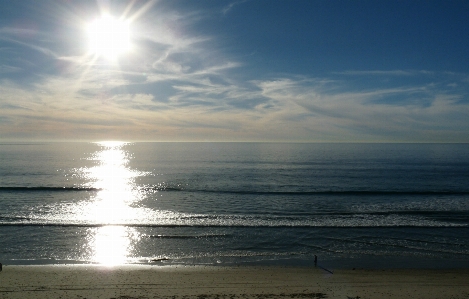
pixel 351 205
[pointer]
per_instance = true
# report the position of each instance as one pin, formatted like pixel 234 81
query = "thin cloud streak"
pixel 385 73
pixel 230 6
pixel 178 85
pixel 291 107
pixel 353 110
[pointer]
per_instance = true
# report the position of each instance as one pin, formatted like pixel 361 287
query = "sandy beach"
pixel 144 281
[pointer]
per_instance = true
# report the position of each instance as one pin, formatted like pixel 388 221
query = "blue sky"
pixel 263 70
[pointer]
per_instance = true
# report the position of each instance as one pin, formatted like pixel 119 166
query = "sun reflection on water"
pixel 112 244
pixel 115 180
pixel 112 204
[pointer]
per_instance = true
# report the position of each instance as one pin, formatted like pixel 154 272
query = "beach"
pixel 145 281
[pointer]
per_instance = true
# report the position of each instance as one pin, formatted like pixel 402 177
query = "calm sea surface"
pixel 352 205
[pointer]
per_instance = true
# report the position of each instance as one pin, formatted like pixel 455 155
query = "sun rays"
pixel 107 42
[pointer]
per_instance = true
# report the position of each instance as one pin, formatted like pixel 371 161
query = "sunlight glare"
pixel 109 37
pixel 112 245
pixel 115 181
pixel 112 205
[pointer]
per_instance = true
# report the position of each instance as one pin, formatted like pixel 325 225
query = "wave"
pixel 307 193
pixel 246 192
pixel 236 225
pixel 187 236
pixel 373 218
pixel 44 188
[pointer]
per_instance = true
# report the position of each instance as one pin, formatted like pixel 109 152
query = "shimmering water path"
pixel 235 203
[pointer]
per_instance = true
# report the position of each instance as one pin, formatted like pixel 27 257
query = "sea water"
pixel 352 205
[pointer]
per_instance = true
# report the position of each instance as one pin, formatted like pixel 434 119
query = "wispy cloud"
pixel 358 116
pixel 230 6
pixel 10 35
pixel 384 72
pixel 9 69
pixel 179 85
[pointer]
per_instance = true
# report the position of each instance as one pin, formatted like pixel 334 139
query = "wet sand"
pixel 173 282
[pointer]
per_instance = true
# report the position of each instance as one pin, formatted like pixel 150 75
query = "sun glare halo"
pixel 109 37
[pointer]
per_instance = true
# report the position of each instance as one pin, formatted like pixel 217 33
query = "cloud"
pixel 180 85
pixel 230 6
pixel 384 72
pixel 210 105
pixel 358 116
pixel 9 69
pixel 13 35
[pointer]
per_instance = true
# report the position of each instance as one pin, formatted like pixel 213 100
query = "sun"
pixel 109 37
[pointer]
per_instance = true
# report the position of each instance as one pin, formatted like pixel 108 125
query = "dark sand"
pixel 174 282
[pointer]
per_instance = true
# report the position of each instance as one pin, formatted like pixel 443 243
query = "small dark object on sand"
pixel 1 266
pixel 315 260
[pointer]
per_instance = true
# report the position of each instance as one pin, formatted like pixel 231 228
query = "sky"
pixel 235 70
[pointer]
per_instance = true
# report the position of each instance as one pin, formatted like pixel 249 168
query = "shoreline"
pixel 260 282
pixel 343 263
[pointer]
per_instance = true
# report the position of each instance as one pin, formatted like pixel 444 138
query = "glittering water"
pixel 231 203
